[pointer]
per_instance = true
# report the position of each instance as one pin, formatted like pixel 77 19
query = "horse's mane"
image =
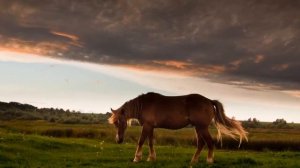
pixel 132 110
pixel 113 118
pixel 133 107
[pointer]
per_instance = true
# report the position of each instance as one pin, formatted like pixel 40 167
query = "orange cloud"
pixel 173 64
pixel 258 59
pixel 153 68
pixel 40 48
pixel 70 36
pixel 74 39
pixel 295 93
pixel 280 67
pixel 206 70
pixel 235 64
pixel 176 67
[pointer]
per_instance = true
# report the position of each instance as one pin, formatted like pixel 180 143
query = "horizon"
pixel 94 56
pixel 74 111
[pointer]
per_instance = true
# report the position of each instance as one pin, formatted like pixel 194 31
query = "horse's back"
pixel 183 100
pixel 190 98
pixel 177 111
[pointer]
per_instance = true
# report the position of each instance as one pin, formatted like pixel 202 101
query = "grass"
pixel 44 144
pixel 259 139
pixel 20 150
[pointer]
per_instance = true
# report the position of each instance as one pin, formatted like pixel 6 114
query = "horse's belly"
pixel 173 123
pixel 173 126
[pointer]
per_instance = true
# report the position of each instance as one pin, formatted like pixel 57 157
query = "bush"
pixel 251 123
pixel 280 123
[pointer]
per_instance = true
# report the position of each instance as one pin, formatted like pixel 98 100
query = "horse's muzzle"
pixel 119 140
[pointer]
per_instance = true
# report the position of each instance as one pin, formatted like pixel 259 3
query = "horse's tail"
pixel 227 126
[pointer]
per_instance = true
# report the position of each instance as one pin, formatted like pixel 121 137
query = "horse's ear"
pixel 113 111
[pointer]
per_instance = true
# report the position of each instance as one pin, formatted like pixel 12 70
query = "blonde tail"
pixel 227 126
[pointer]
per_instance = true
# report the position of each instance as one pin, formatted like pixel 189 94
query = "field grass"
pixel 32 144
pixel 259 138
pixel 19 150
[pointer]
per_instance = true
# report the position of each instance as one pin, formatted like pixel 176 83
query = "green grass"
pixel 44 144
pixel 259 139
pixel 19 150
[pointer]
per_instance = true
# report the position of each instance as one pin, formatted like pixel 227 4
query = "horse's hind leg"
pixel 152 154
pixel 139 150
pixel 210 144
pixel 200 144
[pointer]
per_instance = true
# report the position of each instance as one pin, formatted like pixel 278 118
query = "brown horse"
pixel 153 110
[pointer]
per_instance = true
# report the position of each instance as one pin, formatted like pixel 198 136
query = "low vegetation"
pixel 33 137
pixel 278 135
pixel 259 138
pixel 19 150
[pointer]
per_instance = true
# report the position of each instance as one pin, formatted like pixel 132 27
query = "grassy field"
pixel 32 144
pixel 259 138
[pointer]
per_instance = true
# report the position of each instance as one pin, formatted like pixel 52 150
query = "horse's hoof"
pixel 150 159
pixel 210 160
pixel 137 159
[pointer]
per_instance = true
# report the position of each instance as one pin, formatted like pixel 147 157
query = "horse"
pixel 153 110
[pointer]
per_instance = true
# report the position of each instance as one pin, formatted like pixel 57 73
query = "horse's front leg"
pixel 152 154
pixel 139 150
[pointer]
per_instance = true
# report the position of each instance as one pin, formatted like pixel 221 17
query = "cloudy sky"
pixel 93 55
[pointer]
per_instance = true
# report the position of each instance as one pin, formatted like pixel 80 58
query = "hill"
pixel 18 111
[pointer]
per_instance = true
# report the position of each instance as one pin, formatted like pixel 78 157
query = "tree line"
pixel 278 123
pixel 18 111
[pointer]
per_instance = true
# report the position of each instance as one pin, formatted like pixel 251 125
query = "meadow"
pixel 46 144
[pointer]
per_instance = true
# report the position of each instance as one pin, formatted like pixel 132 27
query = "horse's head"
pixel 118 118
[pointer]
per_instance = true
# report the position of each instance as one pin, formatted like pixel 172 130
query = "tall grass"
pixel 20 150
pixel 259 139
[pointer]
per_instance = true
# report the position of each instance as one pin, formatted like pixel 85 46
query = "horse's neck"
pixel 132 115
pixel 134 111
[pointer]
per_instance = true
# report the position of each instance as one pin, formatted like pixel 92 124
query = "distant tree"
pixel 251 123
pixel 280 123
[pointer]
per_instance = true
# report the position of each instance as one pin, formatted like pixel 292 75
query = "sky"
pixel 93 55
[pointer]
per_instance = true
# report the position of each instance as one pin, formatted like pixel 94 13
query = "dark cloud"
pixel 238 42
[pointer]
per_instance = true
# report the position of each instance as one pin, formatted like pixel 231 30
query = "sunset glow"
pixel 95 56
